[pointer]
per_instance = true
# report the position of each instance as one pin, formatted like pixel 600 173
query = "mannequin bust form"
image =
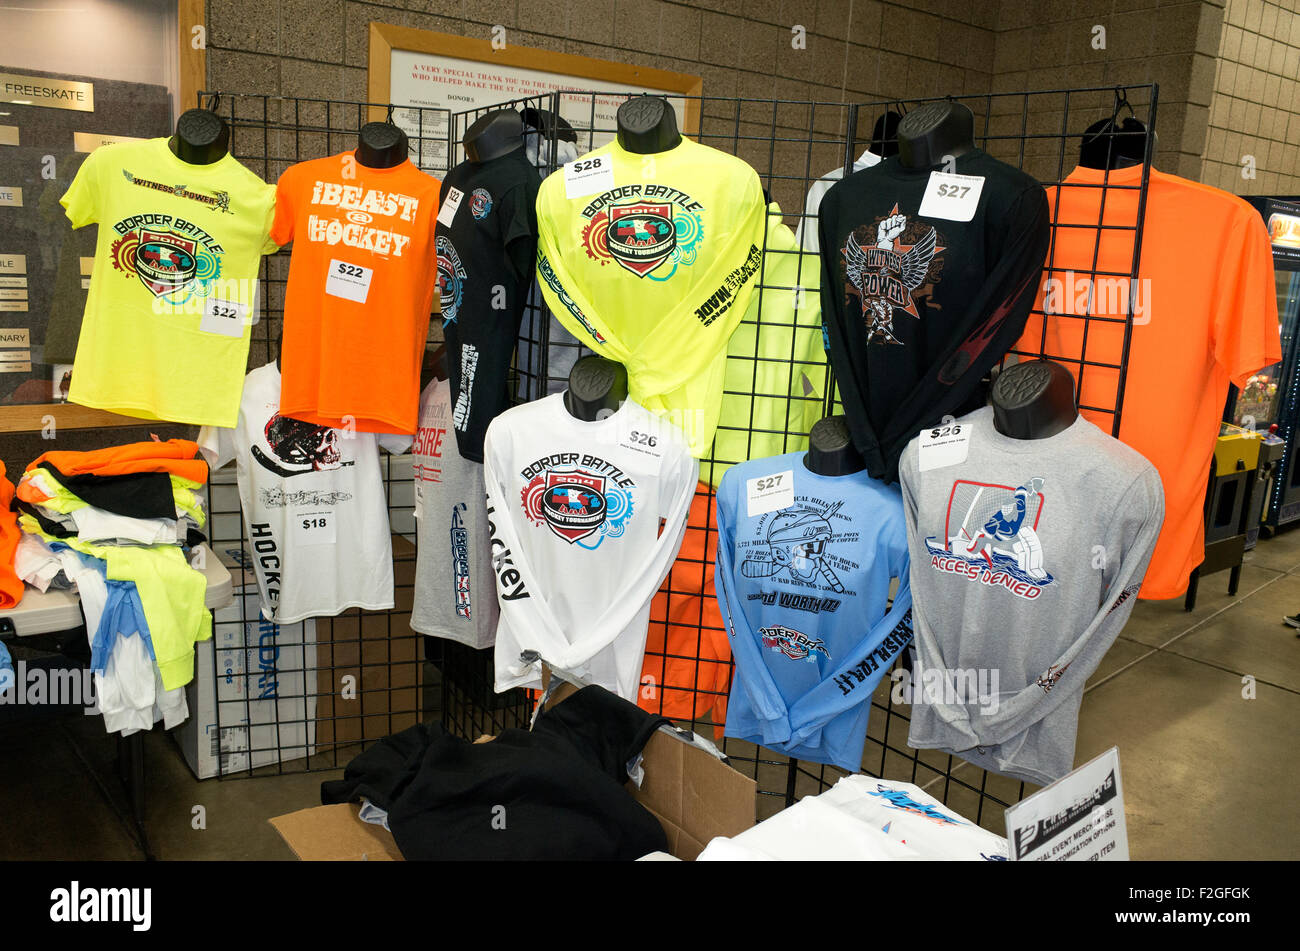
pixel 597 388
pixel 493 135
pixel 647 124
pixel 202 137
pixel 830 448
pixel 1033 400
pixel 381 145
pixel 1110 144
pixel 935 130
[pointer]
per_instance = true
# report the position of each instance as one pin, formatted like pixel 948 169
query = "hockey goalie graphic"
pixel 991 536
pixel 887 273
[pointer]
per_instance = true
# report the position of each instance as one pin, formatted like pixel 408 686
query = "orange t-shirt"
pixel 175 456
pixel 687 668
pixel 1205 315
pixel 11 586
pixel 360 292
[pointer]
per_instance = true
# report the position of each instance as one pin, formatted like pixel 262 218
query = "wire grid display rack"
pixel 791 145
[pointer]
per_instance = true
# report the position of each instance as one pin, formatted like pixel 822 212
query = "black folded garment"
pixel 553 793
pixel 133 494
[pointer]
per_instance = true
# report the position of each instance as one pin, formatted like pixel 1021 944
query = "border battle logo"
pixel 900 800
pixel 451 279
pixel 660 224
pixel 888 269
pixel 480 203
pixel 793 644
pixel 169 264
pixel 575 505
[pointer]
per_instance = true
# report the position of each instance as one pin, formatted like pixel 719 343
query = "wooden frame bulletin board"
pixel 191 71
pixel 526 71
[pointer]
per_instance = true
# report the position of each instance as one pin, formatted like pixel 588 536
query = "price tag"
pixel 448 210
pixel 224 317
pixel 954 197
pixel 314 528
pixel 349 281
pixel 587 176
pixel 947 444
pixel 769 493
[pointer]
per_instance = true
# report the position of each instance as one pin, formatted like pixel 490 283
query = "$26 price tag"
pixel 769 493
pixel 947 444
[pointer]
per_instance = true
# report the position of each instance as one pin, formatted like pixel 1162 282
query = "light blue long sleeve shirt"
pixel 804 589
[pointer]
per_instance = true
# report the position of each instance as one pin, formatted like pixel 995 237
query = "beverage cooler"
pixel 1271 399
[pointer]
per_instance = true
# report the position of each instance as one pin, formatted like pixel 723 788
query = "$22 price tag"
pixel 448 210
pixel 349 281
pixel 224 317
pixel 769 493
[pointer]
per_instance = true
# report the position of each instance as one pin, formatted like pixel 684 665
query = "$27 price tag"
pixel 769 493
pixel 947 444
pixel 955 197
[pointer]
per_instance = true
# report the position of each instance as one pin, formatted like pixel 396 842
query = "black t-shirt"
pixel 918 309
pixel 485 268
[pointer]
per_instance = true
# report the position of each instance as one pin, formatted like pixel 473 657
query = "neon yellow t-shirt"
pixel 775 371
pixel 170 309
pixel 657 271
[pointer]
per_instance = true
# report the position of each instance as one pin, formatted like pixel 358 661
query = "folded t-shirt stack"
pixel 119 523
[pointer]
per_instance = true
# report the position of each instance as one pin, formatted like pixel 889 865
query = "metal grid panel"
pixel 790 144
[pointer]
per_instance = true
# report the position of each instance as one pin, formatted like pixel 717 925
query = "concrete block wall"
pixel 1255 105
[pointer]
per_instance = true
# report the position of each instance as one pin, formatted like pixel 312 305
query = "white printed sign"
pixel 224 317
pixel 1078 818
pixel 314 528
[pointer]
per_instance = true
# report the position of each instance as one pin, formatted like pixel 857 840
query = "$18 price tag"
pixel 314 528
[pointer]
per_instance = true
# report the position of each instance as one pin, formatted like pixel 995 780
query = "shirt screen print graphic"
pixel 298 447
pixel 583 500
pixel 887 266
pixel 642 226
pixel 807 545
pixel 173 257
pixel 991 538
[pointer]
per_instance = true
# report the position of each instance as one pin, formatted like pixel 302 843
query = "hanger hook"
pixel 389 118
pixel 214 102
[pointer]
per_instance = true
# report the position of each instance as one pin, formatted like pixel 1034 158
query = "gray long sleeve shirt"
pixel 1026 560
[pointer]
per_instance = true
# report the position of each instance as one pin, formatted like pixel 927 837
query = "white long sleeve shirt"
pixel 575 510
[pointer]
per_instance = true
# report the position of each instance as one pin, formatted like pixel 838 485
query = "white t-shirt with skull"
pixel 315 515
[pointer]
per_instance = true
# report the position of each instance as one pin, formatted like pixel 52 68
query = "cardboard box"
pixel 694 795
pixel 264 681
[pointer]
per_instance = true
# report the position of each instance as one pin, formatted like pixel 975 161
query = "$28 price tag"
pixel 769 493
pixel 314 528
pixel 587 176
pixel 947 444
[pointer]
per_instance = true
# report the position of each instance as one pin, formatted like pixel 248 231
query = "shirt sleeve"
pixel 519 229
pixel 281 232
pixel 269 244
pixel 765 700
pixel 217 444
pixel 1246 336
pixel 81 200
pixel 853 681
pixel 993 322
